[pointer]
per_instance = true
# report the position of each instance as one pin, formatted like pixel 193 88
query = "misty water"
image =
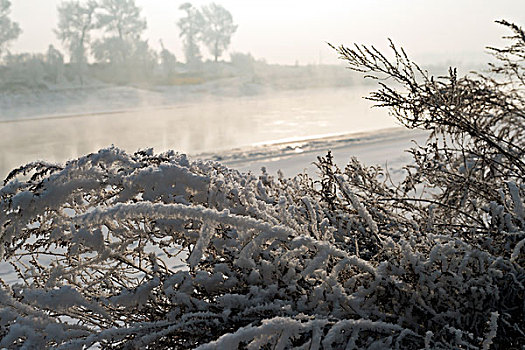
pixel 208 125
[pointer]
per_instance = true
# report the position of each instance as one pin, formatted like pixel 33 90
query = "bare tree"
pixel 123 25
pixel 75 23
pixel 167 60
pixel 121 17
pixel 218 29
pixel 9 30
pixel 191 31
pixel 54 63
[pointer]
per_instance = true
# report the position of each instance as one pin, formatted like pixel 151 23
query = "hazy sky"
pixel 286 31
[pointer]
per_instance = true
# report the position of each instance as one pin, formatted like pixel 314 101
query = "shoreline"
pixel 300 146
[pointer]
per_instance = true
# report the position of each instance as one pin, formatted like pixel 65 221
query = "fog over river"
pixel 214 124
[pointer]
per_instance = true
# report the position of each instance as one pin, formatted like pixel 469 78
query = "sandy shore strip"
pixel 386 148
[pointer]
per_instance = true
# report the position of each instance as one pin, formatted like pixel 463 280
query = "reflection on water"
pixel 193 128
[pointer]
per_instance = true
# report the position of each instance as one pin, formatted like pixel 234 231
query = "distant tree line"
pixel 104 38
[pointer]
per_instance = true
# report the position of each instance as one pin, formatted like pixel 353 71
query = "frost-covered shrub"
pixel 141 250
pixel 98 244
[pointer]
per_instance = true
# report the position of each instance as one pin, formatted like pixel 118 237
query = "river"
pixel 214 124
